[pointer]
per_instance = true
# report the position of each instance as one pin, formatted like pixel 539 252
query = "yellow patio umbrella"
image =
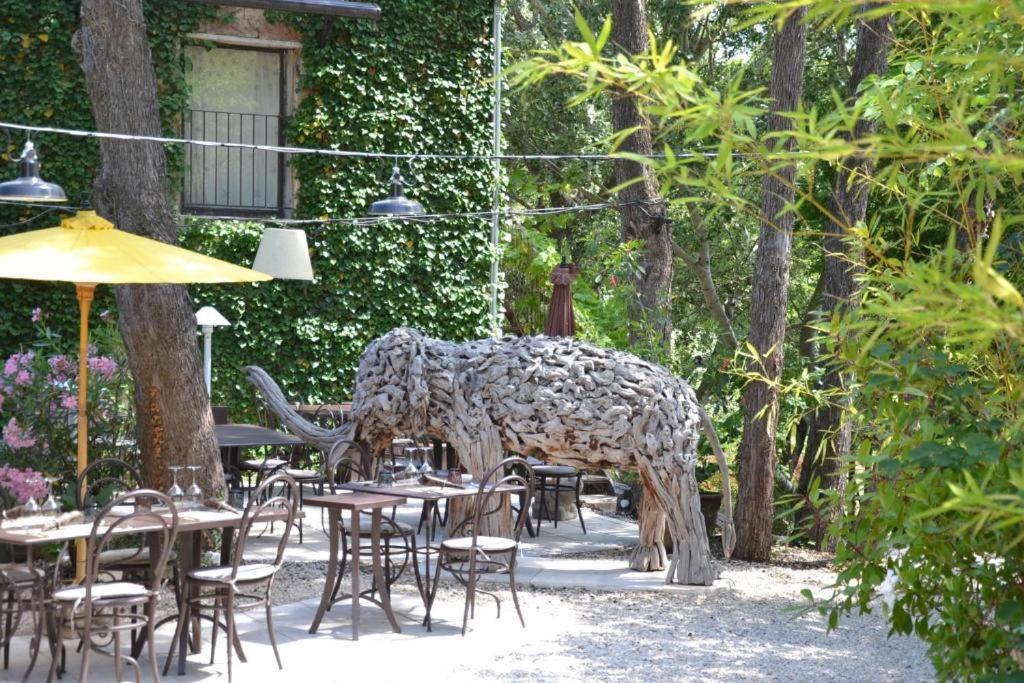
pixel 88 250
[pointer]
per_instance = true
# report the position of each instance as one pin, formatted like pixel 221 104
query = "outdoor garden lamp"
pixel 397 204
pixel 208 318
pixel 29 186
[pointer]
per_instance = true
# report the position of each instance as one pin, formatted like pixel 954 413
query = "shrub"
pixel 39 402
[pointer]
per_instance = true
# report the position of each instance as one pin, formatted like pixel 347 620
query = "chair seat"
pixel 304 475
pixel 128 557
pixel 247 573
pixel 102 591
pixel 17 573
pixel 385 529
pixel 261 464
pixel 488 544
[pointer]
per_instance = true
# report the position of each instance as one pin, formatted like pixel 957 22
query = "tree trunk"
pixel 768 306
pixel 828 443
pixel 157 322
pixel 644 220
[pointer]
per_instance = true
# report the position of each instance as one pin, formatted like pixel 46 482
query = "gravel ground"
pixel 749 629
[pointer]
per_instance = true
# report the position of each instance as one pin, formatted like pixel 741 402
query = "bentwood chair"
pixel 100 480
pixel 106 605
pixel 241 585
pixel 22 590
pixel 399 539
pixel 467 555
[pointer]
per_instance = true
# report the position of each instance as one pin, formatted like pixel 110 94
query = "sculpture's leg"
pixel 481 455
pixel 691 555
pixel 649 555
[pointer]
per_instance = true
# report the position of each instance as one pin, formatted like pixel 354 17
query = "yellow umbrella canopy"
pixel 87 249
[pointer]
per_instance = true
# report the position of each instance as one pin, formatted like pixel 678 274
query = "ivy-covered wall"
pixel 416 80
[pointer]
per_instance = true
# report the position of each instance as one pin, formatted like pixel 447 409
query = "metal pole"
pixel 496 170
pixel 208 356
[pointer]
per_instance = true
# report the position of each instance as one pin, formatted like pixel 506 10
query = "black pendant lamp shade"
pixel 28 186
pixel 397 204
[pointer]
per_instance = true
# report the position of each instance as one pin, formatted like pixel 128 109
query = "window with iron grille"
pixel 237 95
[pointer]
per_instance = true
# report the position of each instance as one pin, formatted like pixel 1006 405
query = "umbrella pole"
pixel 84 292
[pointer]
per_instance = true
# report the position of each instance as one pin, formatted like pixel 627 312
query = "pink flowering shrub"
pixel 18 485
pixel 39 402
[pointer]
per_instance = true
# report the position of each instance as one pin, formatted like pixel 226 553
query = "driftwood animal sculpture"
pixel 558 399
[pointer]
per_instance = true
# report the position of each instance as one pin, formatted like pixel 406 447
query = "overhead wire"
pixel 342 153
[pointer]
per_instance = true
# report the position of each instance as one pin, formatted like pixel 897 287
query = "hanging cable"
pixel 708 152
pixel 372 220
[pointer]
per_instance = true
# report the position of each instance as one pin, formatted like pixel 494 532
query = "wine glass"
pixel 426 469
pixel 31 508
pixel 51 508
pixel 194 494
pixel 175 493
pixel 410 470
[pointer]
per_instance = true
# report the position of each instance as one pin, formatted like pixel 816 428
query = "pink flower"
pixel 18 361
pixel 23 377
pixel 15 437
pixel 103 366
pixel 23 484
pixel 61 369
pixel 37 315
pixel 69 401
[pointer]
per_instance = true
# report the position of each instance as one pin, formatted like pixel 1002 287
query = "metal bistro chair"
pixel 467 555
pixel 226 584
pixel 107 605
pixel 396 557
pixel 99 480
pixel 557 479
pixel 22 589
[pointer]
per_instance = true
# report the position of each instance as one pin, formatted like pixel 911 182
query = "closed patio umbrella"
pixel 88 250
pixel 561 322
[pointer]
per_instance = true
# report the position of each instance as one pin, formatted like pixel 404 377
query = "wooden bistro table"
pixel 191 524
pixel 233 438
pixel 355 503
pixel 431 495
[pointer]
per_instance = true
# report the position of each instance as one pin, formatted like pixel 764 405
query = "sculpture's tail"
pixel 728 530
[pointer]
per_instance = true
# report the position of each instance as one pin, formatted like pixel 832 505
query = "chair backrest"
pixel 340 465
pixel 220 415
pixel 144 514
pixel 278 492
pixel 512 471
pixel 103 477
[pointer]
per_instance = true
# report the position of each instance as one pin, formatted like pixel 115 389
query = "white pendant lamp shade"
pixel 284 254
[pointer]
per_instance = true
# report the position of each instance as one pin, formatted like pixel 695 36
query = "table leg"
pixel 356 542
pixel 332 569
pixel 226 542
pixel 378 571
pixel 189 561
pixel 428 594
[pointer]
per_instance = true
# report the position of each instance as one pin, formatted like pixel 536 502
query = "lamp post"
pixel 207 318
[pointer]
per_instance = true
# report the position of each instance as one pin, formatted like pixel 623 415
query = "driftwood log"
pixel 557 399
